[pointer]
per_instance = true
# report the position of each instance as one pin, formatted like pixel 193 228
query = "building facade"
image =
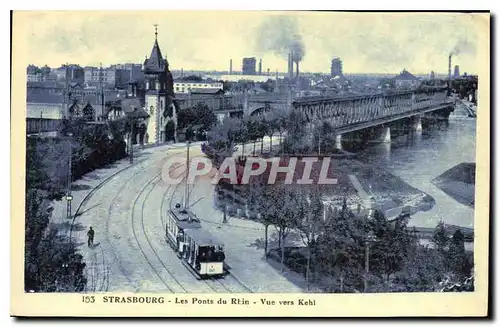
pixel 187 86
pixel 456 72
pixel 406 80
pixel 336 67
pixel 70 73
pixel 110 77
pixel 249 66
pixel 36 74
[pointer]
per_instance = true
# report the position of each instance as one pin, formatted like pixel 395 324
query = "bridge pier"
pixel 386 135
pixel 338 142
pixel 417 123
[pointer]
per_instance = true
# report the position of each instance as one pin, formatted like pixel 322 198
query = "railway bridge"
pixel 352 115
pixel 375 113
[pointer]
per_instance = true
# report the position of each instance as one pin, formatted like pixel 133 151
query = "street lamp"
pixel 69 197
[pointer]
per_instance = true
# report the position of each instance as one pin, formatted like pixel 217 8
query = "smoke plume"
pixel 463 46
pixel 280 35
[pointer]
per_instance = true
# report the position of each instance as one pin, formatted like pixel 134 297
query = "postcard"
pixel 250 163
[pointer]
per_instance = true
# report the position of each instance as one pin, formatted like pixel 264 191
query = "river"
pixel 427 155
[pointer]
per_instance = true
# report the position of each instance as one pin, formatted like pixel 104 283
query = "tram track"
pixel 122 269
pixel 209 282
pixel 162 279
pixel 107 223
pixel 166 275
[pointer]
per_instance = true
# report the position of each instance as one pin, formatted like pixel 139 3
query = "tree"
pixel 221 140
pixel 199 118
pixel 288 216
pixel 440 237
pixel 46 253
pixel 393 245
pixel 310 221
pixel 262 198
pixel 423 270
pixel 341 246
pixel 271 126
pixel 460 264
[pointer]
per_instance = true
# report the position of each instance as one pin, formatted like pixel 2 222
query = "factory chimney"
pixel 230 66
pixel 449 74
pixel 260 67
pixel 290 65
pixel 449 67
pixel 297 69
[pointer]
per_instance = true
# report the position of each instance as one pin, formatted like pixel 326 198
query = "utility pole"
pixel 65 92
pixel 69 197
pixel 367 267
pixel 131 147
pixel 102 89
pixel 319 144
pixel 186 189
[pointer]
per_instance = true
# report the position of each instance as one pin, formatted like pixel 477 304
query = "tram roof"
pixel 202 237
pixel 184 215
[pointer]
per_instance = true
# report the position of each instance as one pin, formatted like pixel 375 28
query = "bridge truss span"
pixel 357 112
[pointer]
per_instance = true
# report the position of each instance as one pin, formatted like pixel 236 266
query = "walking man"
pixel 90 235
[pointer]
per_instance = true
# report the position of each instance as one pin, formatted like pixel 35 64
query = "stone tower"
pixel 162 121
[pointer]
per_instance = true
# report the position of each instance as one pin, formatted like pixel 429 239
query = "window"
pixel 151 110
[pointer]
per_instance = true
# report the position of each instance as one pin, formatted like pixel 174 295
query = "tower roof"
pixel 155 62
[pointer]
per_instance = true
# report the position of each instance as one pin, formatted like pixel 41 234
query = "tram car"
pixel 199 250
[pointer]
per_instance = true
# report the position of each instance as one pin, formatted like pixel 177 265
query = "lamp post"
pixel 69 196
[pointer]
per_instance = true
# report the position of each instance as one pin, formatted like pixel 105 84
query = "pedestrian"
pixel 224 219
pixel 90 235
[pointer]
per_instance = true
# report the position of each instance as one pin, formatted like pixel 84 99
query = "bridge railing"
pixel 342 112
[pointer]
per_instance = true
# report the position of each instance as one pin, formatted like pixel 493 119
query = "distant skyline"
pixel 366 42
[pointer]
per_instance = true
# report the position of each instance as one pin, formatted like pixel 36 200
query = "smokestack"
pixel 297 70
pixel 290 65
pixel 268 72
pixel 260 67
pixel 449 74
pixel 449 67
pixel 230 66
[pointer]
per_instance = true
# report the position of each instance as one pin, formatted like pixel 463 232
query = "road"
pixel 131 254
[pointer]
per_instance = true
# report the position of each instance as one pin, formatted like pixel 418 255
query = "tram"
pixel 198 250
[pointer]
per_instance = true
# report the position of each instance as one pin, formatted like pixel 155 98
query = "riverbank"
pixel 459 183
pixel 363 186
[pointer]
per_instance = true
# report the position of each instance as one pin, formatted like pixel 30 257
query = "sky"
pixel 366 42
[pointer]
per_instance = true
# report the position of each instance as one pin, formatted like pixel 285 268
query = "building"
pixel 406 80
pixel 249 66
pixel 432 76
pixel 182 86
pixel 336 67
pixel 456 72
pixel 36 74
pixel 159 96
pixel 61 102
pixel 110 77
pixel 130 72
pixel 70 73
